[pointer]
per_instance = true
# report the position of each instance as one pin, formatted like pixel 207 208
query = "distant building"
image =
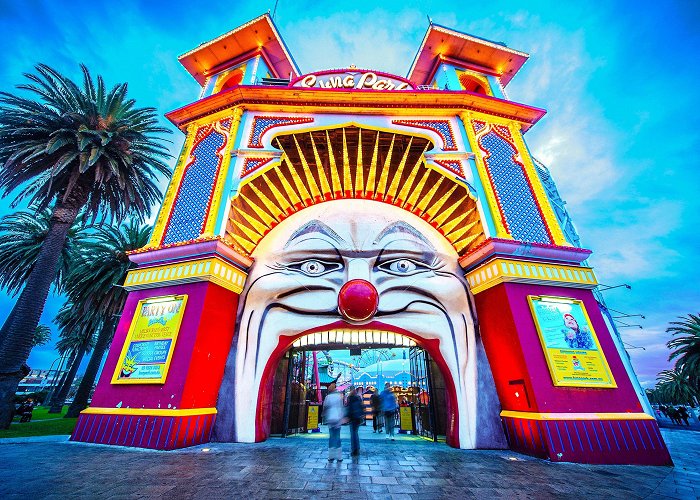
pixel 38 380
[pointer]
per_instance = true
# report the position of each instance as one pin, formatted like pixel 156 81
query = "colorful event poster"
pixel 149 345
pixel 312 418
pixel 570 344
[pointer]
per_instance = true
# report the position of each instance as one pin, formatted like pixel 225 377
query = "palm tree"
pixel 674 386
pixel 42 335
pixel 23 233
pixel 94 286
pixel 77 337
pixel 76 148
pixel 685 347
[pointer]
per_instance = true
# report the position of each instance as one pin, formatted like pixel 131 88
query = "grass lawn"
pixel 43 424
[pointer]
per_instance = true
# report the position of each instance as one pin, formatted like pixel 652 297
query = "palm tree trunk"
pixel 80 402
pixel 60 398
pixel 4 329
pixel 25 315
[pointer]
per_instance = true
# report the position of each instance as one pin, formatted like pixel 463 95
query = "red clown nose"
pixel 358 300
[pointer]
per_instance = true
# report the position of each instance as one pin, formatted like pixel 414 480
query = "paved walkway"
pixel 296 467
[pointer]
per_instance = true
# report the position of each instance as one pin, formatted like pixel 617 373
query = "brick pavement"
pixel 297 468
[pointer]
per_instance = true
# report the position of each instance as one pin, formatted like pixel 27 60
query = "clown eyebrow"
pixel 403 227
pixel 315 226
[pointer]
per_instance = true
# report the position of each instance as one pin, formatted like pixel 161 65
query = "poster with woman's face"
pixel 570 344
pixel 563 325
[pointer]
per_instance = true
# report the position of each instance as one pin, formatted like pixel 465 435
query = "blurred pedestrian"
pixel 333 416
pixel 388 404
pixel 356 414
pixel 683 414
pixel 376 411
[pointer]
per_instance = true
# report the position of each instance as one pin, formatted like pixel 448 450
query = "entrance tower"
pixel 349 205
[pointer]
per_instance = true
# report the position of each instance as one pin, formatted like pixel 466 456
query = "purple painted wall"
pixel 163 396
pixel 549 398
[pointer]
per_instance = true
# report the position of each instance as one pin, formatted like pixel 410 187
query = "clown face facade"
pixel 410 271
pixel 351 207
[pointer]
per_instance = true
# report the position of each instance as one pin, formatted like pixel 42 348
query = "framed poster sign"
pixel 570 344
pixel 149 345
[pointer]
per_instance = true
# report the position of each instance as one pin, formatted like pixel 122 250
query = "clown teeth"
pixel 354 337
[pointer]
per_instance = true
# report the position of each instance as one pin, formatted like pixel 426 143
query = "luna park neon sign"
pixel 350 79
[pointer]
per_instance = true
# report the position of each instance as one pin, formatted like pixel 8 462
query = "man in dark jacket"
pixel 356 414
pixel 376 412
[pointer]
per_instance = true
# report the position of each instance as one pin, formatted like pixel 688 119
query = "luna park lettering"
pixel 367 80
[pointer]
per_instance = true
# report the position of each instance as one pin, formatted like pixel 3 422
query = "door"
pixel 422 381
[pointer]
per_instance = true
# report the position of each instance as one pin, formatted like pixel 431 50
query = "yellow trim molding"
pixel 575 416
pixel 151 412
pixel 501 270
pixel 210 269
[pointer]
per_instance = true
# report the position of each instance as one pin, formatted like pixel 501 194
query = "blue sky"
pixel 619 81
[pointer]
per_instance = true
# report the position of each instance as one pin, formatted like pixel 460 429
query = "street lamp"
pixel 610 287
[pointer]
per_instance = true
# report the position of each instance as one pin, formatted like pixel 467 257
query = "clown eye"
pixel 314 267
pixel 403 267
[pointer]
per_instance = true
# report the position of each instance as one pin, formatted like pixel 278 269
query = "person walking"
pixel 376 411
pixel 333 416
pixel 683 414
pixel 356 414
pixel 388 404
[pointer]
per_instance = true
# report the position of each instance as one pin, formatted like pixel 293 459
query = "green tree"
pixel 21 237
pixel 77 331
pixel 685 347
pixel 674 387
pixel 94 286
pixel 77 148
pixel 42 335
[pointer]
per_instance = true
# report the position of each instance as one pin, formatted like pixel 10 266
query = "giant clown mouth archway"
pixel 343 335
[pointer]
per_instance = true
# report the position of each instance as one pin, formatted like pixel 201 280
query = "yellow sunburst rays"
pixel 325 187
pixel 310 181
pixel 347 180
pixel 372 174
pixel 398 173
pixel 335 178
pixel 304 194
pixel 406 189
pixel 359 168
pixel 263 202
pixel 386 169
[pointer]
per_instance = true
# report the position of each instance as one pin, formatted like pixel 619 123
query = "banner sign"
pixel 312 418
pixel 406 420
pixel 353 79
pixel 149 345
pixel 570 344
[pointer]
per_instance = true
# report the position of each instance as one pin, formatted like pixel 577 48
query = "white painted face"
pixel 301 265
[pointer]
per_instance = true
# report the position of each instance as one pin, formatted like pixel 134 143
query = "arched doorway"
pixel 342 335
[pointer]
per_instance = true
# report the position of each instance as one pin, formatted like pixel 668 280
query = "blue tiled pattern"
pixel 516 198
pixel 262 123
pixel 441 127
pixel 252 164
pixel 197 184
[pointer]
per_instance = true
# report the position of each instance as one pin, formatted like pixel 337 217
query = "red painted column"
pixel 573 424
pixel 181 411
